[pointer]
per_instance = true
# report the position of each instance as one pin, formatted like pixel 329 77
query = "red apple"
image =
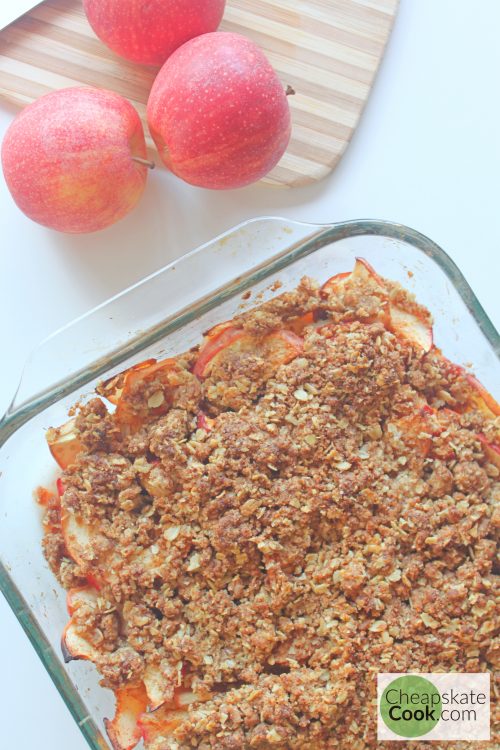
pixel 75 160
pixel 218 112
pixel 148 32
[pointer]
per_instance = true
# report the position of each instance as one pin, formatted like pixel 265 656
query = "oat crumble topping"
pixel 271 535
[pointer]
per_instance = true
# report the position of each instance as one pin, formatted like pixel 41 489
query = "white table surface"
pixel 426 153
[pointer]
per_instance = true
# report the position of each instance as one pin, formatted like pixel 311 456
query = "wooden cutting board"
pixel 327 50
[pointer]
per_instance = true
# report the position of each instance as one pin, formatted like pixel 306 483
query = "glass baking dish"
pixel 165 314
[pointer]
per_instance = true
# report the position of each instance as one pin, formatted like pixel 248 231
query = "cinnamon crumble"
pixel 265 523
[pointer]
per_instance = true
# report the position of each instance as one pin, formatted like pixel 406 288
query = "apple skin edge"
pixel 218 339
pixel 218 113
pixel 66 654
pixel 278 347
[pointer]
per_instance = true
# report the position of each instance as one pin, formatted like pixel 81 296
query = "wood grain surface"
pixel 327 50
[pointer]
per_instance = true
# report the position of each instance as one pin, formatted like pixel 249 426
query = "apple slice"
pixel 297 325
pixel 334 284
pixel 77 537
pixel 64 443
pixel 75 646
pixel 112 388
pixel 154 682
pixel 417 331
pixel 131 410
pixel 184 698
pixel 160 725
pixel 77 597
pixel 277 347
pixel 222 337
pixel 80 542
pixel 366 274
pixel 491 450
pixel 362 275
pixel 483 398
pixel 217 329
pixel 280 347
pixel 123 730
pixel 157 687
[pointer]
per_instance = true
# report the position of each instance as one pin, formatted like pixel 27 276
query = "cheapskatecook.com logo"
pixel 454 706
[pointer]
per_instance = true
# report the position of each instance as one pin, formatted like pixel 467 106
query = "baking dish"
pixel 166 314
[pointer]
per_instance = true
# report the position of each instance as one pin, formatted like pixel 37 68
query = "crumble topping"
pixel 328 518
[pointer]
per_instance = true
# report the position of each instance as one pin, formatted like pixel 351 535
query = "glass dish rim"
pixel 321 235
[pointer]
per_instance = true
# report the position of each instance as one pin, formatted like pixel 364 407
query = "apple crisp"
pixel 254 529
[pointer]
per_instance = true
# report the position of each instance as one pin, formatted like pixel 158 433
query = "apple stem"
pixel 146 162
pixel 290 91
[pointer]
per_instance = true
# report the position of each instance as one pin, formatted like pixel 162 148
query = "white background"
pixel 426 153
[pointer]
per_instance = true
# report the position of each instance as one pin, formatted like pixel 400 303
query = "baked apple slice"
pixel 123 730
pixel 148 392
pixel 77 597
pixel 491 450
pixel 75 646
pixel 77 537
pixel 416 330
pixel 184 698
pixel 221 338
pixel 334 284
pixel 277 347
pixel 280 347
pixel 112 388
pixel 483 399
pixel 158 726
pixel 64 443
pixel 80 542
pixel 154 681
pixel 362 273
